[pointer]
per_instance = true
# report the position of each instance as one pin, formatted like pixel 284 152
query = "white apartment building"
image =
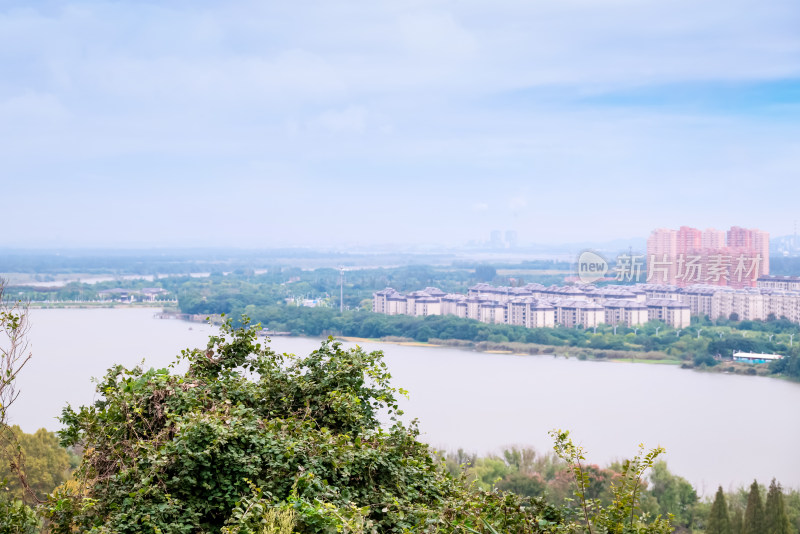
pixel 493 312
pixel 750 303
pixel 578 312
pixel 672 312
pixel 535 305
pixel 786 283
pixel 625 312
pixel 699 298
pixel 530 312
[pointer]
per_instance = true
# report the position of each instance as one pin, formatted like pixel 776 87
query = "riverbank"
pixel 409 343
pixel 580 353
pixel 526 349
pixel 529 349
pixel 79 304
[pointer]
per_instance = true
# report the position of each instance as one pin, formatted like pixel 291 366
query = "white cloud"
pixel 447 100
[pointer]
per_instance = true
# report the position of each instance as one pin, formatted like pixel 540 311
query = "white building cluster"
pixel 773 296
pixel 535 305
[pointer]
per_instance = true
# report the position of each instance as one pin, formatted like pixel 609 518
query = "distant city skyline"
pixel 736 257
pixel 637 243
pixel 257 125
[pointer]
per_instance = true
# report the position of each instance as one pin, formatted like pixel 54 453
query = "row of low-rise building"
pixel 147 294
pixel 535 305
pixel 773 297
pixel 590 305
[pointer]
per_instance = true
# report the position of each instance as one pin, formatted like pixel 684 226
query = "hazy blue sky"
pixel 261 124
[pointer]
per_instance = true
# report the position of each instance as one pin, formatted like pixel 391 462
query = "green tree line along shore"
pixel 273 297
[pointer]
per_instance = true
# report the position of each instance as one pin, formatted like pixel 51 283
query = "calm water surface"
pixel 717 429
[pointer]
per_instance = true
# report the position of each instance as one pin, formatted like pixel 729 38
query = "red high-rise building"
pixel 690 256
pixel 662 249
pixel 739 237
pixel 689 239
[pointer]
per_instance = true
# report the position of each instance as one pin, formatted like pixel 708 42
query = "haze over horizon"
pixel 137 124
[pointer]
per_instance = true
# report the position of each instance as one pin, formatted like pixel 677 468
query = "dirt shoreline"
pixel 588 354
pixel 555 350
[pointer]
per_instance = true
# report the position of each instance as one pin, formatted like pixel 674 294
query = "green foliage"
pixel 233 293
pixel 524 472
pixel 182 447
pixel 256 514
pixel 737 521
pixel 530 474
pixel 622 515
pixel 489 471
pixel 528 485
pixel 754 513
pixel 789 366
pixel 705 359
pixel 776 521
pixel 45 464
pixel 718 521
pixel 675 495
pixel 16 517
pixel 784 265
pixel 499 512
pixel 485 273
pixel 245 435
pixel 700 350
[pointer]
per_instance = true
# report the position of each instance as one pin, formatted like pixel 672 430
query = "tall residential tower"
pixel 690 256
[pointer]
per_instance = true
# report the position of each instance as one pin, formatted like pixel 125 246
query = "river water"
pixel 717 428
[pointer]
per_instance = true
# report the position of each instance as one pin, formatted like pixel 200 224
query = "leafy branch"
pixel 621 515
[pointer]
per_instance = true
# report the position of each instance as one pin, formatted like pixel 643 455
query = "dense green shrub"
pixel 16 517
pixel 245 431
pixel 43 463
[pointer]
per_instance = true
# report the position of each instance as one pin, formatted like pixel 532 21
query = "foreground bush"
pixel 249 441
pixel 245 433
pixel 16 517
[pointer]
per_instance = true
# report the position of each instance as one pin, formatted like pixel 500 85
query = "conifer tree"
pixel 754 513
pixel 736 520
pixel 775 518
pixel 718 521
